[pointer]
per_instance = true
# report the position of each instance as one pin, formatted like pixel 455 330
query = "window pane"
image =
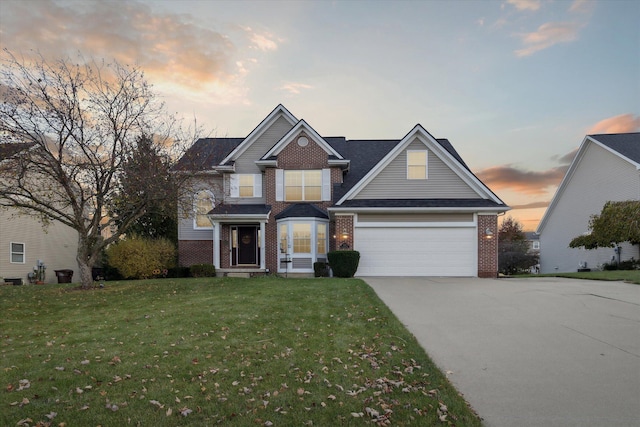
pixel 17 258
pixel 322 239
pixel 417 172
pixel 204 204
pixel 312 193
pixel 302 238
pixel 293 185
pixel 293 193
pixel 17 247
pixel 313 178
pixel 246 185
pixel 416 164
pixel 283 239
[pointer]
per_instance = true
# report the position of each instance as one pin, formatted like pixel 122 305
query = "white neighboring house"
pixel 605 168
pixel 24 241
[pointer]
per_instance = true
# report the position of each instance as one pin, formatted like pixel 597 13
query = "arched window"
pixel 204 202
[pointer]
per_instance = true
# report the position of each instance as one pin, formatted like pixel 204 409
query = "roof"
pixel 626 144
pixel 302 210
pixel 241 210
pixel 420 203
pixel 10 149
pixel 207 153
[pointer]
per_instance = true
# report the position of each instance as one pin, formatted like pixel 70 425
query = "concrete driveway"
pixel 529 352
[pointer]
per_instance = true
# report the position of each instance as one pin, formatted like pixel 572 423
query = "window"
pixel 536 245
pixel 17 253
pixel 416 164
pixel 284 245
pixel 321 237
pixel 303 185
pixel 203 204
pixel 245 185
pixel 302 238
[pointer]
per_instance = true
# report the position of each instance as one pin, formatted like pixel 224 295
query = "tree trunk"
pixel 86 276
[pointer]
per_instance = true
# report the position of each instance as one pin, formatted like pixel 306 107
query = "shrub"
pixel 320 269
pixel 203 270
pixel 141 258
pixel 179 272
pixel 344 263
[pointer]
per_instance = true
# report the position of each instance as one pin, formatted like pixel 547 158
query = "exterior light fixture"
pixel 488 233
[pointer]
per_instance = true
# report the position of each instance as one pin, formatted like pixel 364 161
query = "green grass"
pixel 630 276
pixel 245 352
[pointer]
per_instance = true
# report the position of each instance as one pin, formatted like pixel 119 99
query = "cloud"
pixel 167 46
pixel 533 205
pixel 522 181
pixel 618 124
pixel 525 4
pixel 262 41
pixel 548 35
pixel 581 6
pixel 295 88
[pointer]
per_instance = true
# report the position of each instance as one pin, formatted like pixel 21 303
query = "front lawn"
pixel 246 352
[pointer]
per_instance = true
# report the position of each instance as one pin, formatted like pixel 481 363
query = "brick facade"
pixel 195 252
pixel 487 246
pixel 344 232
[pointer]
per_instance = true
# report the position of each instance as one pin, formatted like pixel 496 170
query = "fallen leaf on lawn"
pixel 268 424
pixel 79 390
pixel 300 391
pixel 84 408
pixel 113 407
pixel 51 415
pixel 84 362
pixel 23 384
pixel 26 422
pixel 185 411
pixel 357 414
pixel 169 412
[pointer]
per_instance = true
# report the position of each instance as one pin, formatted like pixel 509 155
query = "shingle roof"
pixel 420 203
pixel 627 144
pixel 240 210
pixel 302 210
pixel 10 149
pixel 207 153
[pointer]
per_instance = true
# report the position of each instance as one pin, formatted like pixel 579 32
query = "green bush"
pixel 344 263
pixel 320 269
pixel 203 270
pixel 141 258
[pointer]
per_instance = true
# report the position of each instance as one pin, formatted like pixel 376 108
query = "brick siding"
pixel 487 247
pixel 195 252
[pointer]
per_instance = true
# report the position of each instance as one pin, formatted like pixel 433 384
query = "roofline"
pixel 571 171
pixel 288 137
pixel 418 131
pixel 485 210
pixel 255 133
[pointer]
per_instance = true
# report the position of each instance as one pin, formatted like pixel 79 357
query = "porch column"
pixel 263 249
pixel 216 244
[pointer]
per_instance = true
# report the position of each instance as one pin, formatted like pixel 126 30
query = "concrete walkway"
pixel 529 352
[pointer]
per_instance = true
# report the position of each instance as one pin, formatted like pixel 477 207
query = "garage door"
pixel 416 251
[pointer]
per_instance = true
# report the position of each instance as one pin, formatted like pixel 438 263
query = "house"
pixel 605 168
pixel 24 241
pixel 533 242
pixel 281 198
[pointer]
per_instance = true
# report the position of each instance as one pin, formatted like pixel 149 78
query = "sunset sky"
pixel 515 85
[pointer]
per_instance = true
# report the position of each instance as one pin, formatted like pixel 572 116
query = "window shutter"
pixel 279 185
pixel 234 186
pixel 257 185
pixel 326 184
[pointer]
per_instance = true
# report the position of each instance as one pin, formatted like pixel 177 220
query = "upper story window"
pixel 204 202
pixel 536 244
pixel 416 164
pixel 245 185
pixel 302 185
pixel 17 253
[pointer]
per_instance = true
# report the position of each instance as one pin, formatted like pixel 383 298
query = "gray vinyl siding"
pixel 246 162
pixel 599 177
pixel 441 182
pixel 408 218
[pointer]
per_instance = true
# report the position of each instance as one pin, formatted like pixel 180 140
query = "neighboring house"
pixel 605 168
pixel 533 240
pixel 283 197
pixel 24 241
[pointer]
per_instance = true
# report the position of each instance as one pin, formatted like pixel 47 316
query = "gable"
pixel 245 162
pixel 598 172
pixel 448 177
pixel 441 182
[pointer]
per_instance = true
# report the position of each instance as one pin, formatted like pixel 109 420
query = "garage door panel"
pixel 405 251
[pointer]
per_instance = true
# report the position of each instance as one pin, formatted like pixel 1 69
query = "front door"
pixel 247 246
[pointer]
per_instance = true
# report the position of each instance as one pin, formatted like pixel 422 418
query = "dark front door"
pixel 247 245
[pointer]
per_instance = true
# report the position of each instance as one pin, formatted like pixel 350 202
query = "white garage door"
pixel 416 251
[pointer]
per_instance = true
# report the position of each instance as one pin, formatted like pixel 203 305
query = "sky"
pixel 515 85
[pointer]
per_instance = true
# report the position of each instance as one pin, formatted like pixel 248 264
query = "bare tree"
pixel 81 124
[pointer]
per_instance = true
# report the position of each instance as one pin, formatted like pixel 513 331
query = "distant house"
pixel 533 240
pixel 24 241
pixel 281 198
pixel 605 168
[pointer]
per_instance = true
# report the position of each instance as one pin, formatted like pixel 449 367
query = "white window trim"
pixel 325 185
pixel 288 222
pixel 11 252
pixel 234 186
pixel 426 164
pixel 195 209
